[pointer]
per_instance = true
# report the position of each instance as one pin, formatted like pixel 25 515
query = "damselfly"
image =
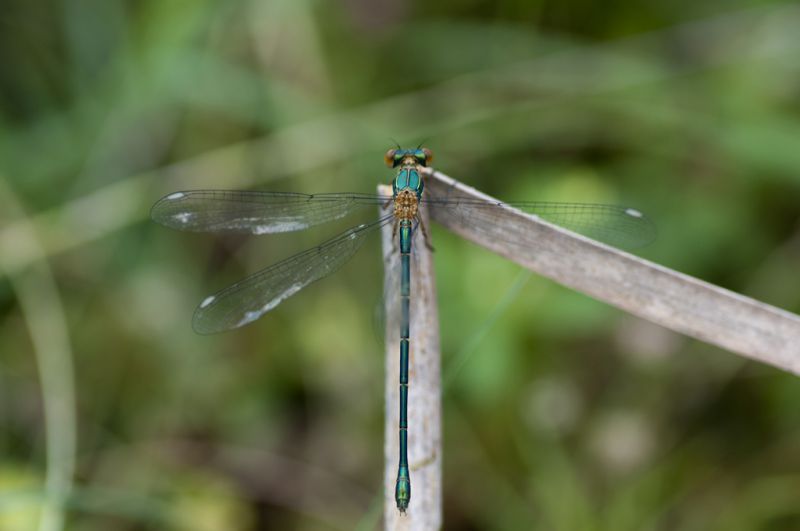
pixel 261 212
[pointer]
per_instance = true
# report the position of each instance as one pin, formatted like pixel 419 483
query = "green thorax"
pixel 408 178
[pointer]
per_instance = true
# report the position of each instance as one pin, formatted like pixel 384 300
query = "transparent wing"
pixel 249 299
pixel 612 224
pixel 255 212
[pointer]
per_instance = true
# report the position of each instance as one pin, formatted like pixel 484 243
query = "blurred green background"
pixel 560 413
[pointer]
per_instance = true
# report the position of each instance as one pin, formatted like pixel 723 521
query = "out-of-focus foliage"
pixel 560 413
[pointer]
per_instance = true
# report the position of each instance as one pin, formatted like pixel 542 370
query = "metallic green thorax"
pixel 408 179
pixel 407 182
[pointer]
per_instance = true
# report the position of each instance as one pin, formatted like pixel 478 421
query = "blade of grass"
pixel 39 300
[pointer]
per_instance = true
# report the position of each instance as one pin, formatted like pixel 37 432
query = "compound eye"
pixel 428 155
pixel 390 157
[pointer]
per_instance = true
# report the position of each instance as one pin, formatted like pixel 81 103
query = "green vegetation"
pixel 573 415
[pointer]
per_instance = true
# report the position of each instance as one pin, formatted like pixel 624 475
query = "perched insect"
pixel 261 212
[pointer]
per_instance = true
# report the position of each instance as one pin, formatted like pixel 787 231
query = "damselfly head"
pixel 396 156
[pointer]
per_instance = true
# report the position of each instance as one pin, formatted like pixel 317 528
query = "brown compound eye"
pixel 428 155
pixel 388 158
